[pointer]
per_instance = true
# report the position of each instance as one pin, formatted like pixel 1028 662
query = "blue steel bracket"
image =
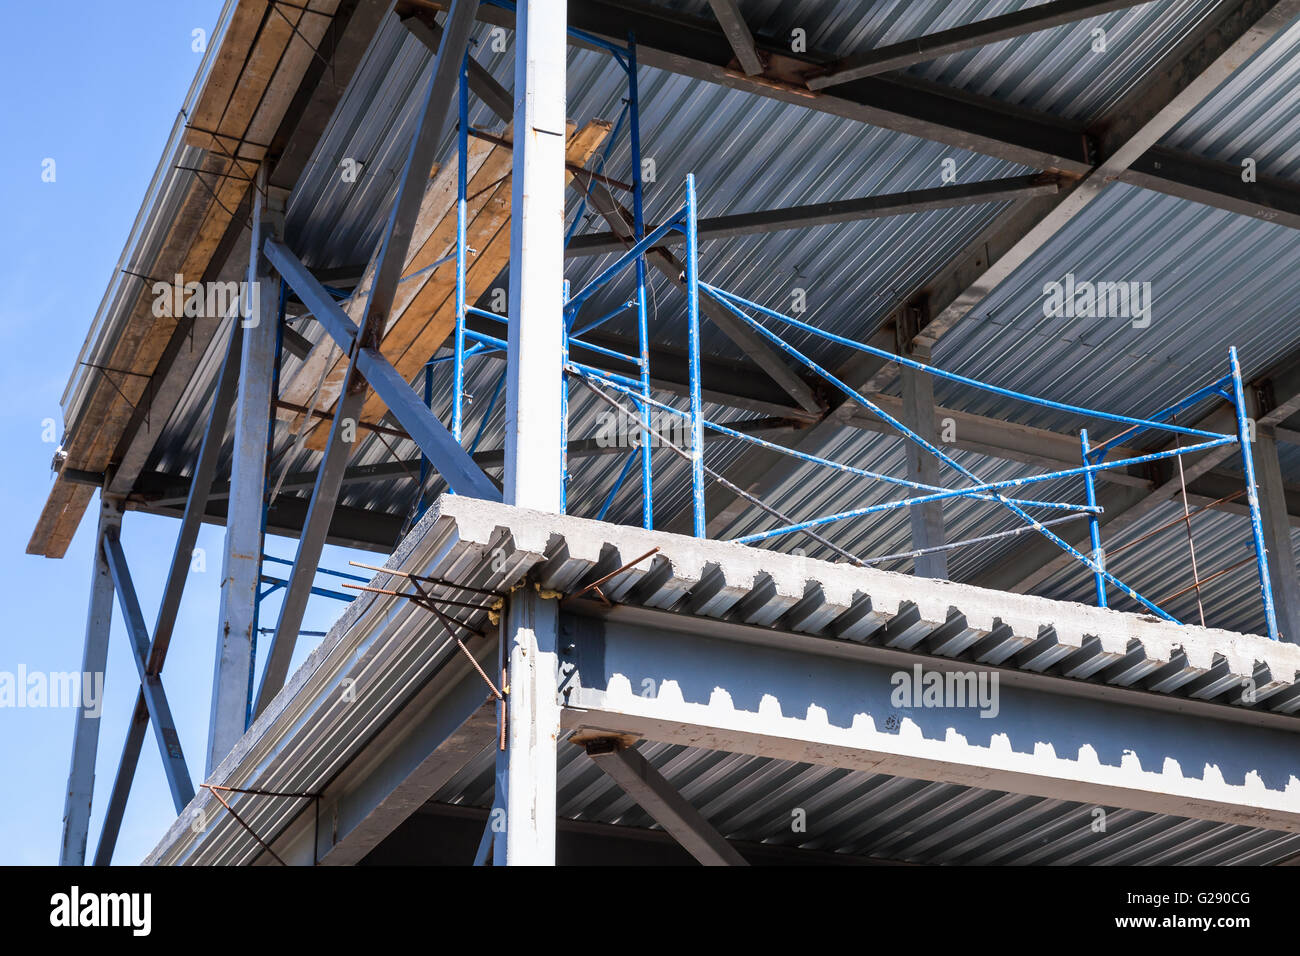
pixel 451 460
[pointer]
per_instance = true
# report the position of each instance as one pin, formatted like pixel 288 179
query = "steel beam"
pixel 697 48
pixel 85 731
pixel 968 36
pixel 1215 184
pixel 743 689
pixel 449 458
pixel 160 715
pixel 349 527
pixel 1277 535
pixel 182 555
pixel 122 781
pixel 494 96
pixel 365 362
pixel 1189 73
pixel 918 415
pixel 657 797
pixel 419 160
pixel 738 35
pixel 533 363
pixel 1183 79
pixel 311 543
pixel 205 471
pixel 241 560
pixel 837 211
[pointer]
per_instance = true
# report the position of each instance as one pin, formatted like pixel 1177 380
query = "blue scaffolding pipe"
pixel 632 383
pixel 486 339
pixel 336 574
pixel 622 476
pixel 642 313
pixel 693 354
pixel 637 250
pixel 606 317
pixel 474 310
pixel 814 459
pixel 612 353
pixel 487 415
pixel 987 486
pixel 1252 494
pixel 323 592
pixel 564 408
pixel 462 190
pixel 469 352
pixel 1094 526
pixel 853 394
pixel 1215 388
pixel 729 297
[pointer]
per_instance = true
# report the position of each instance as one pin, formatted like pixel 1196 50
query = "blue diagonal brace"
pixel 160 714
pixel 451 460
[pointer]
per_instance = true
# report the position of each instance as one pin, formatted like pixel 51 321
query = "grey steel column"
pixel 918 415
pixel 1277 535
pixel 85 733
pixel 241 562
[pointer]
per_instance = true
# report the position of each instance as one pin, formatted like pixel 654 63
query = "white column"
pixel 536 259
pixel 533 436
pixel 532 730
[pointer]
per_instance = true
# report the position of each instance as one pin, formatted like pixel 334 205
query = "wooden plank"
pixel 424 312
pixel 248 90
pixel 439 198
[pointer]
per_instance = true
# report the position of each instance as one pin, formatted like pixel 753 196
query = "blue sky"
pixel 96 87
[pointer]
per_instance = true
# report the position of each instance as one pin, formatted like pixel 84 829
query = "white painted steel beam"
pixel 752 691
pixel 533 363
pixel 534 438
pixel 532 732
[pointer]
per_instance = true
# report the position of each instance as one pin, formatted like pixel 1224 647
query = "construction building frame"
pixel 560 662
